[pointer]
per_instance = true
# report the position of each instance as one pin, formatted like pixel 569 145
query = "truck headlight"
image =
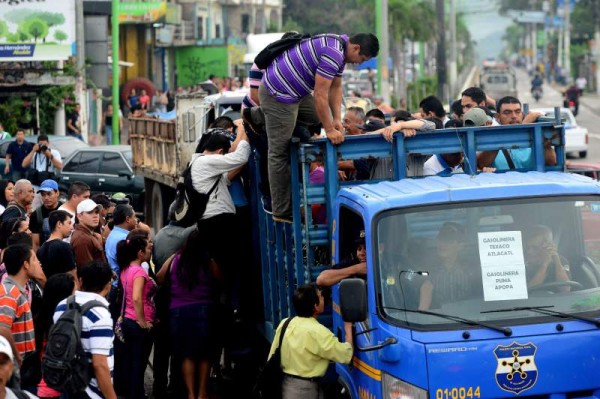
pixel 394 388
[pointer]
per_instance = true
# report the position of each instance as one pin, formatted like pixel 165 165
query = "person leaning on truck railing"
pixel 308 346
pixel 509 113
pixel 355 265
pixel 285 98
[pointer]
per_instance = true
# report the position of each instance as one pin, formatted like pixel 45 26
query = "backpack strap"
pixel 214 186
pixel 285 325
pixel 509 160
pixel 92 304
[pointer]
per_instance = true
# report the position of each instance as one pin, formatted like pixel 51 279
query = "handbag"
pixel 268 385
pixel 119 323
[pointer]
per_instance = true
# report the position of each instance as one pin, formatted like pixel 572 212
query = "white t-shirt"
pixel 433 166
pixel 40 161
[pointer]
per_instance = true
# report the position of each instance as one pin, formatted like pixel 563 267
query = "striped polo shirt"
pixel 96 334
pixel 15 315
pixel 254 78
pixel 291 76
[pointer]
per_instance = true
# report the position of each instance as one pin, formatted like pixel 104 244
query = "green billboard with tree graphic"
pixel 37 30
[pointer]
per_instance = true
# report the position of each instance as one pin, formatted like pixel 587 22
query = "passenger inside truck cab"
pixel 543 264
pixel 355 265
pixel 451 278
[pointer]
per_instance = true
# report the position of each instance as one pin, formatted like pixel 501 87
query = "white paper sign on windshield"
pixel 502 265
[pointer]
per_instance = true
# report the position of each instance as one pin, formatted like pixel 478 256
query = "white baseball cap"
pixel 88 205
pixel 5 348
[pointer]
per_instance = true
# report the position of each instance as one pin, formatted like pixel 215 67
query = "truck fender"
pixel 345 379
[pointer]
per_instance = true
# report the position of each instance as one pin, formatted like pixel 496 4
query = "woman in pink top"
pixel 138 311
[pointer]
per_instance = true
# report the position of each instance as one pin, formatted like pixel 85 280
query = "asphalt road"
pixel 553 98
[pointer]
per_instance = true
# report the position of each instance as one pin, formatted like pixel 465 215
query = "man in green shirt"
pixel 308 346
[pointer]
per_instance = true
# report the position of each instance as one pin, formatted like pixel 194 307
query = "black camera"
pixel 43 148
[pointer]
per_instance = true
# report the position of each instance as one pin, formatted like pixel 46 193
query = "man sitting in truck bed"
pixel 509 113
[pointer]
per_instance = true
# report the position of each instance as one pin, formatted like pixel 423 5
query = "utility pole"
pixel 441 50
pixel 384 54
pixel 115 71
pixel 567 41
pixel 597 40
pixel 453 68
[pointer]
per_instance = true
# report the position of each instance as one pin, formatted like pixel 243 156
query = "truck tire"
pixel 157 207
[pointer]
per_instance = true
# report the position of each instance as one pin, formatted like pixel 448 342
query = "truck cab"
pixel 478 285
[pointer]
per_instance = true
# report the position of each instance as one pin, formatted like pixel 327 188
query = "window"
pixel 113 164
pixel 479 260
pixel 89 162
pixel 73 164
pixel 200 28
pixel 245 23
pixel 217 31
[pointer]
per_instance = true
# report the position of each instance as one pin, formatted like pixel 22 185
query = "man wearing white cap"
pixel 7 364
pixel 87 244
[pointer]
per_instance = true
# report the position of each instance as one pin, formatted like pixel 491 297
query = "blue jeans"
pixel 77 135
pixel 136 350
pixel 109 133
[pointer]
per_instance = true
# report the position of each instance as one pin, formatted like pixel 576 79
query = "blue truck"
pixel 515 315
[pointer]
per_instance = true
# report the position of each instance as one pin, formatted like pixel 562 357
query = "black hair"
pixel 121 212
pixel 20 238
pixel 304 300
pixel 208 137
pixel 42 137
pixel 57 288
pixel 77 188
pixel 475 93
pixel 433 104
pixel 369 44
pixel 94 276
pixel 506 100
pixel 127 250
pixel 224 122
pixel 8 227
pixel 193 259
pixel 14 257
pixel 402 115
pixel 375 113
pixel 217 141
pixel 3 185
pixel 456 108
pixel 290 34
pixel 486 110
pixel 57 216
pixel 452 123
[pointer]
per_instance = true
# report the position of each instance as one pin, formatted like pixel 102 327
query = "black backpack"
pixel 189 203
pixel 65 365
pixel 269 53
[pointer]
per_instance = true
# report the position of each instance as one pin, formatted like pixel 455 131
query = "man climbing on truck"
pixel 285 98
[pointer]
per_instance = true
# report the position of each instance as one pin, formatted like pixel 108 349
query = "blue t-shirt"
pixel 110 249
pixel 18 152
pixel 521 157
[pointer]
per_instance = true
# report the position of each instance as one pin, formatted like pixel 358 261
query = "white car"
pixel 576 137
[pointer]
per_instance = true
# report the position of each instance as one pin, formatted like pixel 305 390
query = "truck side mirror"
pixel 353 300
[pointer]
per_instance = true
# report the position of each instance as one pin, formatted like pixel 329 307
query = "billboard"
pixel 37 30
pixel 142 13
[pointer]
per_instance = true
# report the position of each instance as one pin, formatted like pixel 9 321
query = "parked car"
pixel 576 136
pixel 65 145
pixel 589 169
pixel 106 169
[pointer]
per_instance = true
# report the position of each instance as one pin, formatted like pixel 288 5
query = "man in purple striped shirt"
pixel 315 64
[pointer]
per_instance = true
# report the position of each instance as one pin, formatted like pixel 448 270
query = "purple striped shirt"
pixel 254 78
pixel 291 76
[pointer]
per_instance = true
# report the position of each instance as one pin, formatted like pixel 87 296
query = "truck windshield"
pixel 477 260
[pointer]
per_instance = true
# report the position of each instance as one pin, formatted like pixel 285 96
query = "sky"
pixel 485 25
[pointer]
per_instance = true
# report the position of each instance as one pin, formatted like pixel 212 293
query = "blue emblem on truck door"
pixel 516 371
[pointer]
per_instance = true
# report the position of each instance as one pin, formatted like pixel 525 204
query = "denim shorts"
pixel 195 329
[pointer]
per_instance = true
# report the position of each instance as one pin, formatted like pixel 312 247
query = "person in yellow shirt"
pixel 308 346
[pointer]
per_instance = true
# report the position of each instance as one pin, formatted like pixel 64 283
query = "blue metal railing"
pixel 294 254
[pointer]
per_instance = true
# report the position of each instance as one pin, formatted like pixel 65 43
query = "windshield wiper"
pixel 504 330
pixel 545 310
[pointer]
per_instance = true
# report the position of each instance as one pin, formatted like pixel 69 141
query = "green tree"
pixel 37 28
pixel 330 16
pixel 51 18
pixel 60 36
pixel 3 29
